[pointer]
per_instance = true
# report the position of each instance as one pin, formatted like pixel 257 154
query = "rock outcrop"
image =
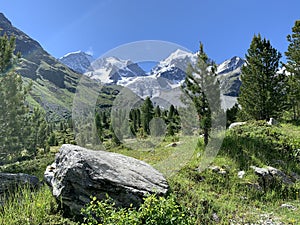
pixel 270 177
pixel 79 173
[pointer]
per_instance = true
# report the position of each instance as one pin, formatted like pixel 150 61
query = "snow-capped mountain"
pixel 174 66
pixel 171 72
pixel 112 70
pixel 78 61
pixel 230 65
pixel 167 75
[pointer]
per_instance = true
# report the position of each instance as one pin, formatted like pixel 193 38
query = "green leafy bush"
pixel 154 211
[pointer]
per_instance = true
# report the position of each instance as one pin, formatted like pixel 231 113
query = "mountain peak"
pixel 174 66
pixel 79 52
pixel 4 21
pixel 28 47
pixel 180 52
pixel 78 61
pixel 230 65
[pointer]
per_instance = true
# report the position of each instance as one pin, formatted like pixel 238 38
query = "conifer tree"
pixel 170 129
pixel 52 139
pixel 37 134
pixel 115 139
pixel 157 111
pixel 138 118
pixel 231 114
pixel 13 110
pixel 147 114
pixel 134 118
pixel 263 91
pixel 171 113
pixel 99 126
pixel 293 67
pixel 105 121
pixel 157 127
pixel 202 87
pixel 7 59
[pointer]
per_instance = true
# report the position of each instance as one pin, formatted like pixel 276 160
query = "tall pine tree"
pixel 14 115
pixel 263 91
pixel 293 66
pixel 202 88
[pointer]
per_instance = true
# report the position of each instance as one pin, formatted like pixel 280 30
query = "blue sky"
pixel 225 27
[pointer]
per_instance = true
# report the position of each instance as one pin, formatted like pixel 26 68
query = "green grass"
pixel 28 207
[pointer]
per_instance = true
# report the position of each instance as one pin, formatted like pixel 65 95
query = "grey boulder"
pixel 79 173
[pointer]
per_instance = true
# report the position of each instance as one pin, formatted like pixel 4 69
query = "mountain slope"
pixel 230 65
pixel 229 75
pixel 54 84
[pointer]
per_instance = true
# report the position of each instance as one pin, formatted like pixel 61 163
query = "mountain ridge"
pixel 172 68
pixel 166 75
